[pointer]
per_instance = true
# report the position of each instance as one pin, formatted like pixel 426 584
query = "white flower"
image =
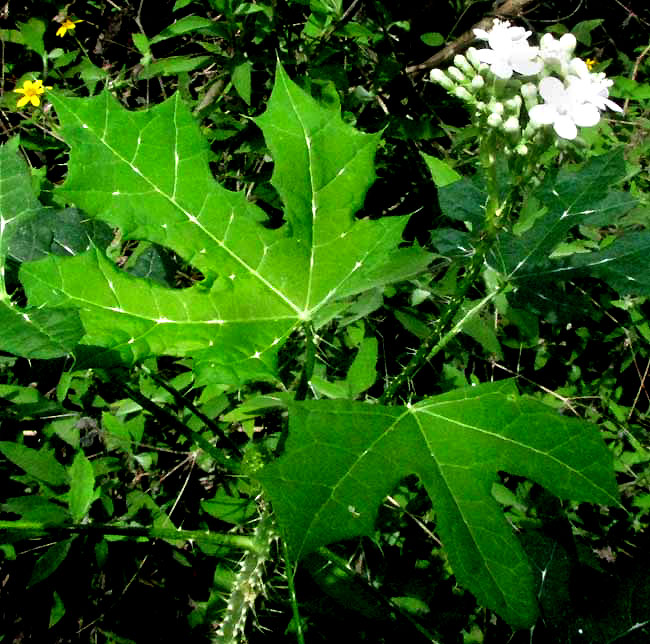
pixel 557 52
pixel 509 51
pixel 593 88
pixel 562 108
pixel 501 30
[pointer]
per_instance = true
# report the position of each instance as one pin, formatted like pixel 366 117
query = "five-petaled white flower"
pixel 509 50
pixel 593 88
pixel 557 52
pixel 563 108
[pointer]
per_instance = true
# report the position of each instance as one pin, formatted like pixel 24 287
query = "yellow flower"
pixel 67 25
pixel 591 63
pixel 31 91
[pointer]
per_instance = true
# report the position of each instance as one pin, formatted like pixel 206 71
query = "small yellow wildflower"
pixel 31 91
pixel 67 25
pixel 591 63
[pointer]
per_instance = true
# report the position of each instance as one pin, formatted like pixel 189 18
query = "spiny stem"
pixel 291 571
pixel 248 584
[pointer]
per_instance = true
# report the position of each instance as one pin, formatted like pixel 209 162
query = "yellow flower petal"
pixel 67 25
pixel 31 91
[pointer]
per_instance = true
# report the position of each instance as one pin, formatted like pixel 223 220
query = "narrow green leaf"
pixel 82 485
pixel 173 65
pixel 441 172
pixel 342 458
pixel 39 463
pixel 228 508
pixel 57 611
pixel 185 25
pixel 241 79
pixel 363 370
pixel 36 509
pixel 48 562
pixel 433 39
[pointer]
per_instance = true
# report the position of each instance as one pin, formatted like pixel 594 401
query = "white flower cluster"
pixel 493 81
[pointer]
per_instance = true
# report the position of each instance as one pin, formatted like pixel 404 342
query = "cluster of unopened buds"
pixel 556 88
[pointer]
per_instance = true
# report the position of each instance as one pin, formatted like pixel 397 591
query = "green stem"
pixel 182 400
pixel 444 328
pixel 343 565
pixel 181 427
pixel 310 363
pixel 291 571
pixel 212 538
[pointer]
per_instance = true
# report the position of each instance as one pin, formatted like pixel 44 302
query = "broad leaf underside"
pixel 342 458
pixel 147 173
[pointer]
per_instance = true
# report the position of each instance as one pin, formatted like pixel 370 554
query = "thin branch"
pixel 510 8
pixel 635 71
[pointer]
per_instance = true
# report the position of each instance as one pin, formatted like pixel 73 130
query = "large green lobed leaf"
pixel 31 333
pixel 147 173
pixel 342 458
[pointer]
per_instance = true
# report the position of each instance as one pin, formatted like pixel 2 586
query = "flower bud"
pixel 456 74
pixel 522 149
pixel 471 56
pixel 477 82
pixel 438 76
pixel 513 105
pixel 529 90
pixel 463 94
pixel 496 107
pixel 494 120
pixel 511 125
pixel 463 64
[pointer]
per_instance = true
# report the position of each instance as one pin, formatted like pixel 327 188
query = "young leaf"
pixel 342 458
pixel 40 464
pixel 363 370
pixel 82 485
pixel 58 609
pixel 48 562
pixel 147 173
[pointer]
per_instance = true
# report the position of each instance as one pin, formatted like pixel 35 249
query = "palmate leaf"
pixel 342 458
pixel 147 173
pixel 31 333
pixel 569 199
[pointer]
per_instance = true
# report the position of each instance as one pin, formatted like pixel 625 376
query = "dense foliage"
pixel 294 347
